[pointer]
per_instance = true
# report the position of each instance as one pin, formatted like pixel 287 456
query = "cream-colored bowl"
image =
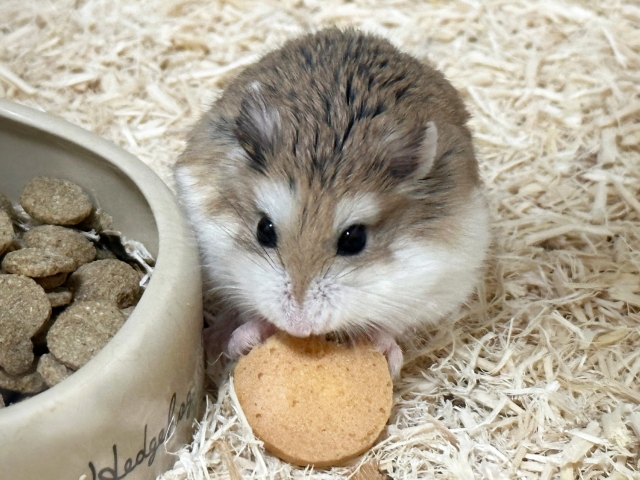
pixel 123 414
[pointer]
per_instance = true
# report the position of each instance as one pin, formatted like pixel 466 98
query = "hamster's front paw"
pixel 386 344
pixel 248 335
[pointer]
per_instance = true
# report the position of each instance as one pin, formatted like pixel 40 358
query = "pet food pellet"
pixel 55 201
pixel 126 312
pixel 52 281
pixel 97 221
pixel 6 231
pixel 31 382
pixel 52 371
pixel 102 254
pixel 35 267
pixel 110 280
pixel 60 297
pixel 39 340
pixel 35 262
pixel 5 205
pixel 24 309
pixel 82 330
pixel 16 354
pixel 64 241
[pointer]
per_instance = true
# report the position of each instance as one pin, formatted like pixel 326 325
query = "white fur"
pixel 215 234
pixel 276 199
pixel 184 180
pixel 362 208
pixel 424 282
pixel 250 281
pixel 262 279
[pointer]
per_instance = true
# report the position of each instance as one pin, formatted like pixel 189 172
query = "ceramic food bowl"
pixel 125 412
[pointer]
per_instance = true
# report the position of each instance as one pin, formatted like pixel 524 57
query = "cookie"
pixel 313 401
pixel 35 262
pixel 82 330
pixel 110 280
pixel 65 241
pixel 6 231
pixel 24 309
pixel 52 371
pixel 55 201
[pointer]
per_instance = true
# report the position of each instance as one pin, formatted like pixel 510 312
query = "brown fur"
pixel 351 114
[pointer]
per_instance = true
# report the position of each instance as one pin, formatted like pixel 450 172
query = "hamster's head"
pixel 346 225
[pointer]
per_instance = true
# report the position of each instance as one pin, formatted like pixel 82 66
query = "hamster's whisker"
pixel 342 273
pixel 252 260
pixel 267 258
pixel 280 258
pixel 338 275
pixel 393 309
pixel 223 228
pixel 224 288
pixel 362 326
pixel 326 272
pixel 264 253
pixel 235 209
pixel 389 301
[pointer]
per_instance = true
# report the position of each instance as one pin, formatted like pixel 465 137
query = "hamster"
pixel 333 187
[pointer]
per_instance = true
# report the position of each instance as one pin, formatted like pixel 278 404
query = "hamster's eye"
pixel 353 240
pixel 266 233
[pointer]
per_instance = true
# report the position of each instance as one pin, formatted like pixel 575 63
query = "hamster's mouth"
pixel 298 330
pixel 297 324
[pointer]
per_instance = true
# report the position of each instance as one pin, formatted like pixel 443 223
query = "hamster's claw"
pixel 386 344
pixel 248 335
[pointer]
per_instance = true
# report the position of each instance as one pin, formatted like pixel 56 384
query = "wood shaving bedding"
pixel 539 375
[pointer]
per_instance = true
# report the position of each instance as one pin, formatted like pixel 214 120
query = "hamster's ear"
pixel 413 155
pixel 428 149
pixel 256 126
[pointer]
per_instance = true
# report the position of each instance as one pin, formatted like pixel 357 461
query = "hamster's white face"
pixel 333 187
pixel 304 277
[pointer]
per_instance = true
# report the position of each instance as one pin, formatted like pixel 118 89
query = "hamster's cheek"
pixel 420 284
pixel 262 281
pixel 423 280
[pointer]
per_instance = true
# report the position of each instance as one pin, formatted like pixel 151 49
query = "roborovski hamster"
pixel 333 186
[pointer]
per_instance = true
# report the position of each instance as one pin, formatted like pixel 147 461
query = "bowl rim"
pixel 173 236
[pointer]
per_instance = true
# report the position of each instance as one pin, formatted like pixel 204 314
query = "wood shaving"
pixel 539 376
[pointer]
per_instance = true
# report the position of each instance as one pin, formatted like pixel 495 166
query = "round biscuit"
pixel 313 401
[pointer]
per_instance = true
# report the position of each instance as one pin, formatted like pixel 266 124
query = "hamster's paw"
pixel 248 335
pixel 216 336
pixel 386 344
